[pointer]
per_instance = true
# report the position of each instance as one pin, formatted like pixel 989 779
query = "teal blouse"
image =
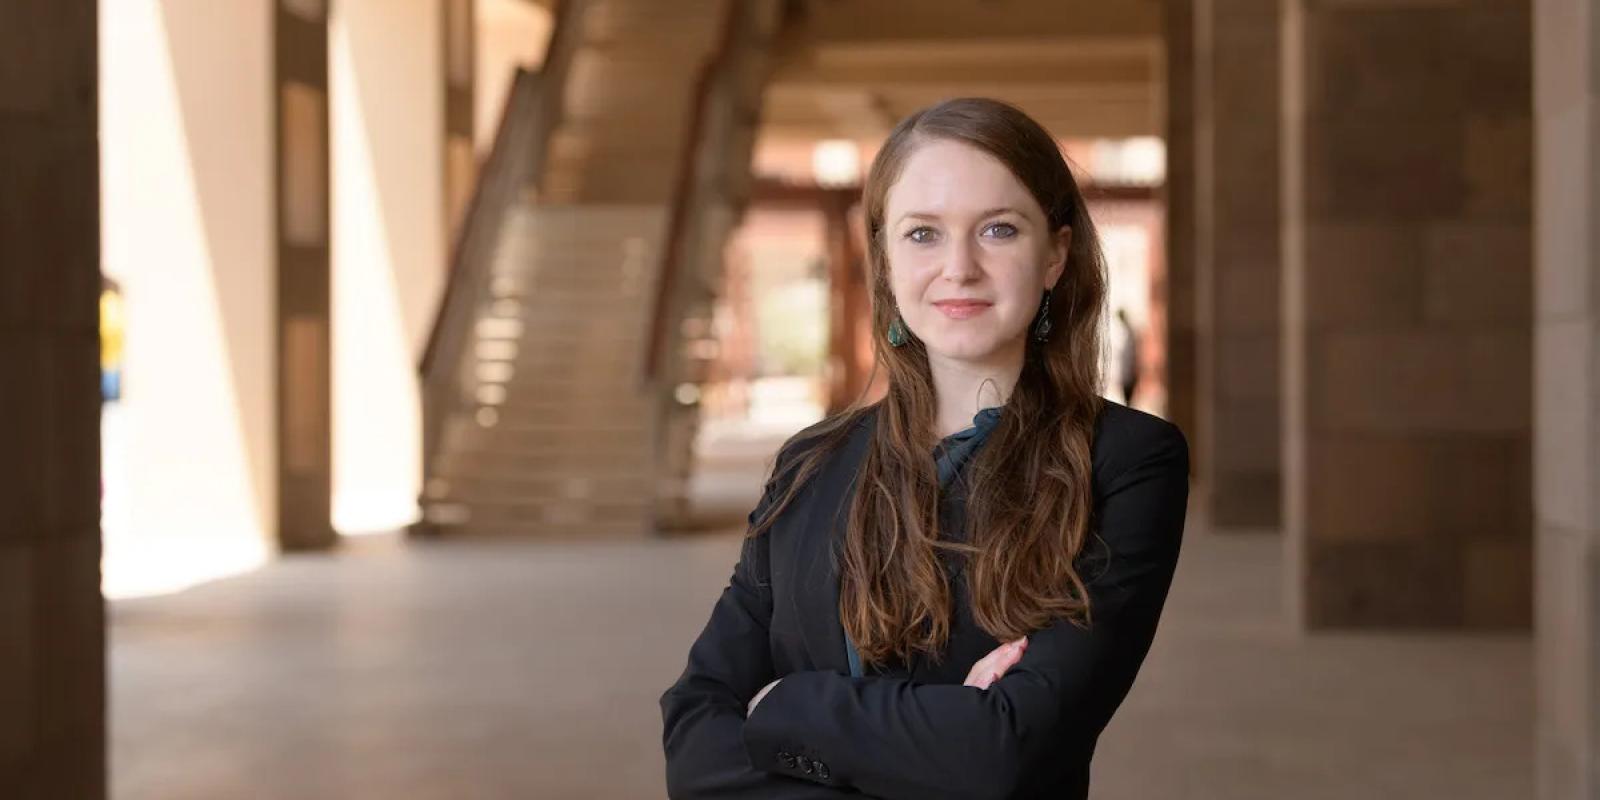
pixel 950 454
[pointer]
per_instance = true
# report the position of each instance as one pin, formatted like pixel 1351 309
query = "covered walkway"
pixel 531 669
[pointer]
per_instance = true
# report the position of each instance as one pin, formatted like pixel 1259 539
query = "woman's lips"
pixel 962 309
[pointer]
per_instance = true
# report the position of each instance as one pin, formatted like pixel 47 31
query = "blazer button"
pixel 807 765
pixel 822 770
pixel 786 759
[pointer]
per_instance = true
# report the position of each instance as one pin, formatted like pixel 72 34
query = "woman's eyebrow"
pixel 929 215
pixel 993 212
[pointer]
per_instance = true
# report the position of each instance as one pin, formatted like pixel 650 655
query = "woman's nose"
pixel 961 263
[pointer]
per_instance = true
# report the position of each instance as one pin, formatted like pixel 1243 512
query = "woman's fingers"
pixel 1006 656
pixel 981 673
pixel 992 666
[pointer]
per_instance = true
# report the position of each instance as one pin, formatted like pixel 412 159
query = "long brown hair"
pixel 1028 497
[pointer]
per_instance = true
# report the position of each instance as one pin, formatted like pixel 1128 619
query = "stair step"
pixel 600 456
pixel 605 385
pixel 511 459
pixel 619 368
pixel 589 223
pixel 605 406
pixel 607 459
pixel 631 504
pixel 545 530
pixel 536 322
pixel 621 478
pixel 556 302
pixel 597 252
pixel 552 385
pixel 579 352
pixel 560 451
pixel 517 462
pixel 551 490
pixel 562 435
pixel 553 394
pixel 611 259
pixel 575 403
pixel 534 513
pixel 538 477
pixel 580 334
pixel 550 290
pixel 568 421
pixel 543 423
pixel 585 335
pixel 595 507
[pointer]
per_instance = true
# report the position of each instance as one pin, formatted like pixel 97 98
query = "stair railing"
pixel 712 187
pixel 510 176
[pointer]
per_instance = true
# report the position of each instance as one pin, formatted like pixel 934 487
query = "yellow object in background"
pixel 110 329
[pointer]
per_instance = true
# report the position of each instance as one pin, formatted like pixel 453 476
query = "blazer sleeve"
pixel 895 738
pixel 703 713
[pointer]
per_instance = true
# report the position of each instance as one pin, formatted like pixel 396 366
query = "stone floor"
pixel 532 671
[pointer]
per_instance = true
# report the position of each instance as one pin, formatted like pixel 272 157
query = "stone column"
pixel 1237 260
pixel 1407 303
pixel 1567 396
pixel 1179 200
pixel 850 306
pixel 305 379
pixel 52 617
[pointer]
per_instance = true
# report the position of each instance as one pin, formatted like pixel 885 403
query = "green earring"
pixel 897 332
pixel 1041 324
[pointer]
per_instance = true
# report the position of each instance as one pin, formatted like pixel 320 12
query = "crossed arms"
pixel 895 738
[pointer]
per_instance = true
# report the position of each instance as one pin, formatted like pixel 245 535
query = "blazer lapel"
pixel 817 549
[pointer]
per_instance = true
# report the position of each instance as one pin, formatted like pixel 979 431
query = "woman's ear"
pixel 1059 248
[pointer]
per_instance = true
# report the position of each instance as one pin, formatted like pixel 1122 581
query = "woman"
pixel 946 594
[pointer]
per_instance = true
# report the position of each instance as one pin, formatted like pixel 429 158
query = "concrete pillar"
pixel 1179 198
pixel 305 379
pixel 1567 396
pixel 1408 294
pixel 52 617
pixel 1237 260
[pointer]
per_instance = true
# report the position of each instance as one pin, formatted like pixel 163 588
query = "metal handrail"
pixel 515 165
pixel 685 195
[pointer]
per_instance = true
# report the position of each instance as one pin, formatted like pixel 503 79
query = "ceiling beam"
pixel 853 20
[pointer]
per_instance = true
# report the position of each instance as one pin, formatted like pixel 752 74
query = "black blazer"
pixel 914 731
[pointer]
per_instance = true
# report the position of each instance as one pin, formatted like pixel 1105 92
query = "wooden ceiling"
pixel 852 68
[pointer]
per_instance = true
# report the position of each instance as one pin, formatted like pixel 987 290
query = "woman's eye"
pixel 921 235
pixel 1003 230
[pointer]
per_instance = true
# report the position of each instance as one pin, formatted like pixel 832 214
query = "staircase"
pixel 549 384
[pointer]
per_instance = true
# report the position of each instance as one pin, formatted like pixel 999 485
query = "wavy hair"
pixel 1028 490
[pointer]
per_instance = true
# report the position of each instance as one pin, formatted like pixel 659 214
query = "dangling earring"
pixel 897 332
pixel 1041 324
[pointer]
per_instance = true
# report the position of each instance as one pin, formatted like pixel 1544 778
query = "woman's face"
pixel 969 252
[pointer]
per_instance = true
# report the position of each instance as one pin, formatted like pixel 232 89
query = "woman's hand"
pixel 759 695
pixel 992 666
pixel 985 672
